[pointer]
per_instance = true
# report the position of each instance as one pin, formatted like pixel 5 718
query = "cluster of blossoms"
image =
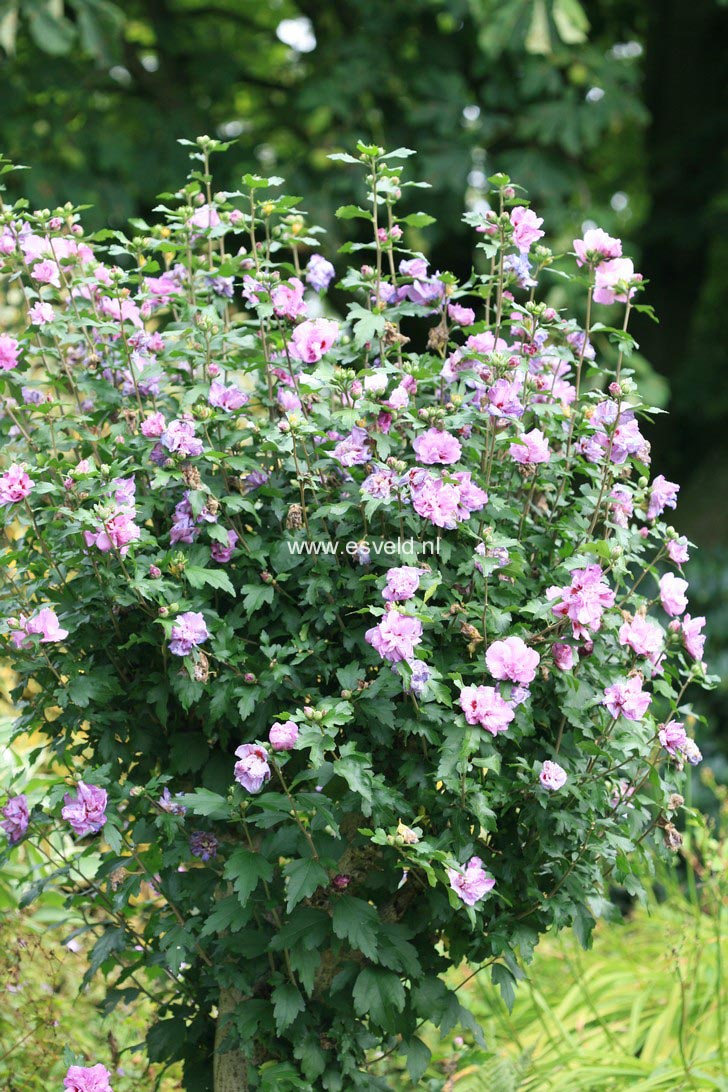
pixel 310 770
pixel 15 486
pixel 116 529
pixel 95 1078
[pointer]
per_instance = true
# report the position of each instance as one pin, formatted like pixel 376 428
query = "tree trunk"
pixel 230 1067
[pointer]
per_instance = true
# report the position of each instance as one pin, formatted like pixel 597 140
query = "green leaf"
pixel 356 922
pixel 83 689
pixel 344 157
pixel 308 927
pixel 246 869
pixel 583 927
pixel 256 596
pixel 395 951
pixel 217 533
pixel 188 751
pixel 287 1003
pixel 538 39
pixel 250 1015
pixel 356 770
pixel 247 702
pixel 226 915
pixel 165 1038
pixel 52 33
pixel 503 978
pixel 418 1057
pixel 571 21
pixel 100 23
pixel 305 963
pixel 198 577
pixel 366 324
pixel 9 30
pixel 376 993
pixel 304 877
pixel 111 940
pixel 204 802
pixel 418 219
pixel 353 212
pixel 311 1057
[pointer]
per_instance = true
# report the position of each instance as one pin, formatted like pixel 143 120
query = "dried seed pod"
pixel 191 476
pixel 294 519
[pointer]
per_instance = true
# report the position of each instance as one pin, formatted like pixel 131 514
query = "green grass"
pixel 645 1009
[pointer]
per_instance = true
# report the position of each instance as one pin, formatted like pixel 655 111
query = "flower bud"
pixel 408 836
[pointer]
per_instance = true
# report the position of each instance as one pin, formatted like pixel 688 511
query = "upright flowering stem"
pixel 606 476
pixel 129 361
pixel 42 543
pixel 302 489
pixel 527 506
pixel 263 337
pixel 580 362
pixel 620 357
pixel 294 813
pixel 501 256
pixel 208 191
pixel 375 223
pixel 575 409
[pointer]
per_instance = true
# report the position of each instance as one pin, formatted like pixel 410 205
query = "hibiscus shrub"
pixel 358 640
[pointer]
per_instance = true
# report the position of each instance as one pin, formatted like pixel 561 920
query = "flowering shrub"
pixel 351 635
